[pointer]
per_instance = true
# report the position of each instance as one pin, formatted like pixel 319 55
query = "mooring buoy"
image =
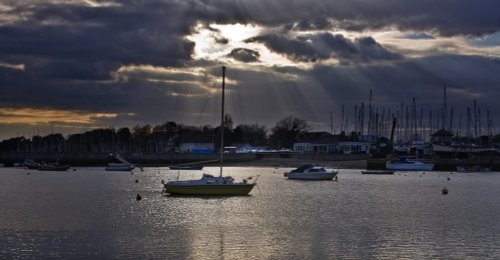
pixel 444 191
pixel 138 197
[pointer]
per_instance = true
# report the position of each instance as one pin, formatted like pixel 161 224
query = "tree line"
pixel 162 138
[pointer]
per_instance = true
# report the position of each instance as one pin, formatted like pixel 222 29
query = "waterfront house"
pixel 354 147
pixel 315 142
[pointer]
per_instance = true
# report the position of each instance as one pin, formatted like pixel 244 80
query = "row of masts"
pixel 413 123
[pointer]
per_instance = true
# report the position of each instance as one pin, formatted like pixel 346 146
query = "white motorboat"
pixel 208 184
pixel 311 172
pixel 120 167
pixel 403 164
pixel 123 164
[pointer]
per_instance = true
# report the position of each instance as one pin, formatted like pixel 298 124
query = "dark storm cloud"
pixel 72 70
pixel 310 24
pixel 325 45
pixel 244 55
pixel 447 17
pixel 467 78
pixel 71 53
pixel 92 44
pixel 67 49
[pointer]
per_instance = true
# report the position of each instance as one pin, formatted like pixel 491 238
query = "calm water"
pixel 93 214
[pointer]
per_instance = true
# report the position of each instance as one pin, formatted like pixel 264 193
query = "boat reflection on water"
pixel 186 167
pixel 381 172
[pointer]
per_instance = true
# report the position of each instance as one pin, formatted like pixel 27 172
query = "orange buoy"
pixel 444 191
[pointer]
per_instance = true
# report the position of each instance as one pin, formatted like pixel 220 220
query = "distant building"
pixel 354 147
pixel 314 148
pixel 315 142
pixel 326 143
pixel 442 137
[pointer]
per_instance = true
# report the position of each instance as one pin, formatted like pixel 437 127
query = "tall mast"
pixel 475 119
pixel 331 122
pixel 342 122
pixel 444 108
pixel 222 121
pixel 469 123
pixel 451 119
pixel 370 114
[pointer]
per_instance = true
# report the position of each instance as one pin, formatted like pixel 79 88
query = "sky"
pixel 69 66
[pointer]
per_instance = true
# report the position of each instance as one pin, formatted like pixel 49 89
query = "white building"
pixel 313 148
pixel 354 147
pixel 206 148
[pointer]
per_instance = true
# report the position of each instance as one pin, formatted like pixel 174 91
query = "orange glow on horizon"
pixel 34 116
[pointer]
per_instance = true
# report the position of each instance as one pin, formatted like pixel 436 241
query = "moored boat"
pixel 311 172
pixel 53 167
pixel 119 167
pixel 30 164
pixel 209 184
pixel 403 164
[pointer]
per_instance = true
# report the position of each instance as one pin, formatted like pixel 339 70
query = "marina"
pixel 251 130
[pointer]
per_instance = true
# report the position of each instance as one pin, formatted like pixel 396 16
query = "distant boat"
pixel 124 165
pixel 209 184
pixel 377 172
pixel 403 164
pixel 120 167
pixel 473 169
pixel 186 167
pixel 30 164
pixel 311 172
pixel 53 167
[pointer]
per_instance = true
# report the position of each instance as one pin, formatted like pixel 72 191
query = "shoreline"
pixel 296 162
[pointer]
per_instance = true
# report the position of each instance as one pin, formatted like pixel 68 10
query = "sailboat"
pixel 124 165
pixel 209 184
